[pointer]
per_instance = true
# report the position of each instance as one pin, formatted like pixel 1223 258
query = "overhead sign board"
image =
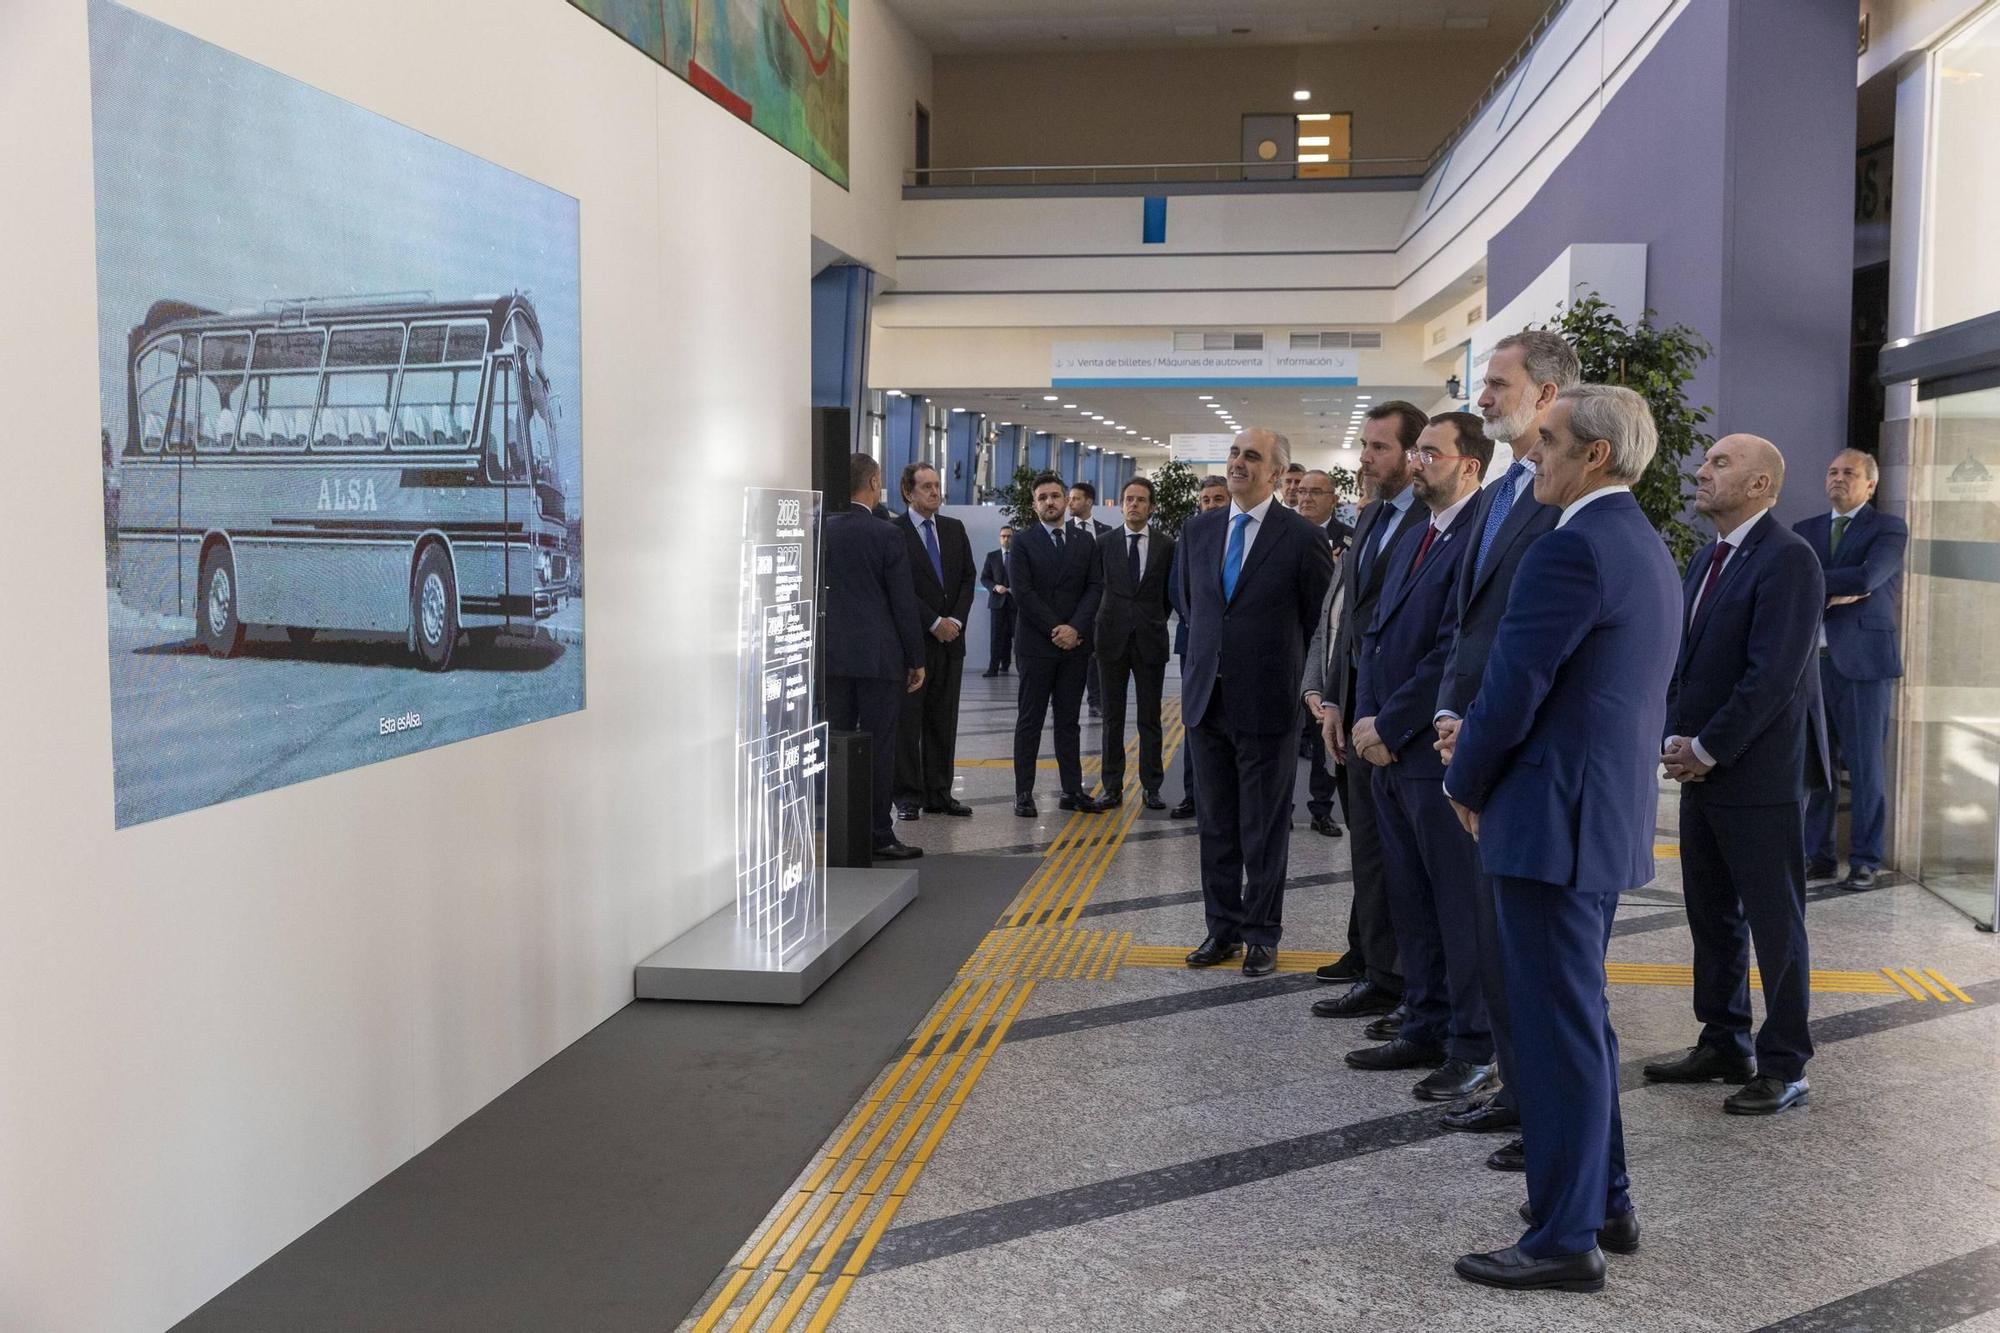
pixel 1155 363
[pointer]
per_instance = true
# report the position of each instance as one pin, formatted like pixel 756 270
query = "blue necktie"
pixel 1232 558
pixel 930 544
pixel 1503 505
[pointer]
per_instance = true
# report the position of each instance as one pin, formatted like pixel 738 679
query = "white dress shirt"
pixel 1442 519
pixel 1250 531
pixel 1125 535
pixel 1571 509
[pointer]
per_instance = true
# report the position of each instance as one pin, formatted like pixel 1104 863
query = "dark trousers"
pixel 855 703
pixel 1001 652
pixel 1187 749
pixel 1148 682
pixel 1743 874
pixel 1857 723
pixel 1493 983
pixel 1245 817
pixel 1321 786
pixel 1090 685
pixel 1045 680
pixel 927 735
pixel 1566 1069
pixel 1370 931
pixel 1433 866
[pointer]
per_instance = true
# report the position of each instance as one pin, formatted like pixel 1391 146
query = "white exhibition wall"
pixel 218 1027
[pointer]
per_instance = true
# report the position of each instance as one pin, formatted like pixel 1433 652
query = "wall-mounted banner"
pixel 1154 363
pixel 343 499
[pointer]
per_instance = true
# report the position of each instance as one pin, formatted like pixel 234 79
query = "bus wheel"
pixel 434 609
pixel 301 635
pixel 216 625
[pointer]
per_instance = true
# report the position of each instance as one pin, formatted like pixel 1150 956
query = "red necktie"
pixel 1424 546
pixel 1716 560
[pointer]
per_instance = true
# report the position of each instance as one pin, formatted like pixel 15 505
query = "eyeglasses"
pixel 1426 457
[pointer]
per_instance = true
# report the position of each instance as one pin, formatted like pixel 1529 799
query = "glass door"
pixel 1954 687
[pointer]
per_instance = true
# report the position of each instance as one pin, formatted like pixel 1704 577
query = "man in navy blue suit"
pixel 1058 583
pixel 1252 578
pixel 1213 494
pixel 1743 741
pixel 1555 771
pixel 1525 373
pixel 993 577
pixel 1432 864
pixel 874 637
pixel 1860 551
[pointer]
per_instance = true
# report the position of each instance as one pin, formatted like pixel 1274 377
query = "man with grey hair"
pixel 1861 550
pixel 1252 579
pixel 1525 373
pixel 1555 772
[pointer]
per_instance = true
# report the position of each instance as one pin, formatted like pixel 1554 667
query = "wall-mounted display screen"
pixel 343 479
pixel 781 65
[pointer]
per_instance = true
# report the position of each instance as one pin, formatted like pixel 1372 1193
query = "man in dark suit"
pixel 1743 740
pixel 1212 494
pixel 940 556
pixel 1860 551
pixel 874 638
pixel 1523 376
pixel 1131 641
pixel 1432 863
pixel 1252 577
pixel 1056 592
pixel 1388 433
pixel 1313 499
pixel 1555 771
pixel 999 603
pixel 1082 504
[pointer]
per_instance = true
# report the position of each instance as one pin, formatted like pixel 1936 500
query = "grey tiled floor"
pixel 1220 1163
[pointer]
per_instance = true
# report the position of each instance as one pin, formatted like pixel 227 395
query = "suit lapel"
pixel 1267 536
pixel 1850 543
pixel 1517 519
pixel 1732 574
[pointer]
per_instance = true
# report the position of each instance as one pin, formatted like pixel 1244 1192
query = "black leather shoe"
pixel 1024 806
pixel 1213 951
pixel 951 806
pixel 1509 1156
pixel 1484 1119
pixel 1619 1234
pixel 906 812
pixel 1185 810
pixel 1388 1027
pixel 1347 967
pixel 1153 801
pixel 1111 800
pixel 1082 804
pixel 990 672
pixel 1357 1001
pixel 1326 828
pixel 1397 1054
pixel 1821 868
pixel 1513 1271
pixel 897 851
pixel 1260 960
pixel 1703 1064
pixel 1452 1080
pixel 1766 1095
pixel 1860 879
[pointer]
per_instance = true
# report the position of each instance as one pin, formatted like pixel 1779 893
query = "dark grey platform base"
pixel 715 962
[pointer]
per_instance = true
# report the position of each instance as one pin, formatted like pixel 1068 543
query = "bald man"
pixel 1746 741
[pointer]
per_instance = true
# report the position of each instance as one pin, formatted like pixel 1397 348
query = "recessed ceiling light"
pixel 958 409
pixel 1362 397
pixel 1050 397
pixel 1006 423
pixel 895 393
pixel 1315 115
pixel 1205 397
pixel 1302 95
pixel 1069 407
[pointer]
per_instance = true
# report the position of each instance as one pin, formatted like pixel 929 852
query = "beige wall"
pixel 891 73
pixel 1187 106
pixel 219 1027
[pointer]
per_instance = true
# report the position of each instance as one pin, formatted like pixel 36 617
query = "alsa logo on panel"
pixel 351 494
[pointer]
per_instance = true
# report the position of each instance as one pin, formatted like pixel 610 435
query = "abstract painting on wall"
pixel 781 65
pixel 343 495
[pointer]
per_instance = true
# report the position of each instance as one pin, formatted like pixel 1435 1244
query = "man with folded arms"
pixel 1744 741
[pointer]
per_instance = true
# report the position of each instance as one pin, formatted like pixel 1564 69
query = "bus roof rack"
pixel 285 305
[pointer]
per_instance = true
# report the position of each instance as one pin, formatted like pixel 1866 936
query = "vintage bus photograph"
pixel 341 430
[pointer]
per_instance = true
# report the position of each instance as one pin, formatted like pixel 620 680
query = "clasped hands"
pixel 1682 763
pixel 946 629
pixel 1065 637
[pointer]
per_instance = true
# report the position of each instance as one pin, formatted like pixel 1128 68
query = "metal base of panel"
pixel 718 961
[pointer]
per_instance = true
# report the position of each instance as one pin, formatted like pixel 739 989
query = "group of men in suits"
pixel 1503 667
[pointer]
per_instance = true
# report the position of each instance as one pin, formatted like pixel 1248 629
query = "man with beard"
pixel 1523 377
pixel 1057 586
pixel 1370 964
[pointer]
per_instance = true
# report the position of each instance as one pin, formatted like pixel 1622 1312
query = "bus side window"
pixel 503 423
pixel 158 366
pixel 284 386
pixel 223 358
